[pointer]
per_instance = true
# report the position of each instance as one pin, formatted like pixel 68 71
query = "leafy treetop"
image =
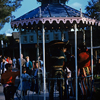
pixel 6 9
pixel 93 8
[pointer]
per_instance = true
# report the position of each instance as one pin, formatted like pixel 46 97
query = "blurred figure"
pixel 84 68
pixel 3 68
pixel 58 60
pixel 14 62
pixel 34 67
pixel 38 77
pixel 8 81
pixel 7 59
pixel 25 82
pixel 67 76
pixel 68 73
pixel 0 65
pixel 22 62
pixel 0 60
pixel 97 69
pixel 33 63
pixel 33 71
pixel 10 60
pixel 28 65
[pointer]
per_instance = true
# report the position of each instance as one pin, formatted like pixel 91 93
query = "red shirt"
pixel 84 59
pixel 7 60
pixel 9 77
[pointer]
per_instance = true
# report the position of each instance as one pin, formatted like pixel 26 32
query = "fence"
pixel 85 89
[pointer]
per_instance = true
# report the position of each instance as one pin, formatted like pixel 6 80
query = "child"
pixel 38 77
pixel 25 82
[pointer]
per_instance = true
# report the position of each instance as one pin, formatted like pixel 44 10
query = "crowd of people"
pixel 29 69
pixel 25 63
pixel 61 65
pixel 4 60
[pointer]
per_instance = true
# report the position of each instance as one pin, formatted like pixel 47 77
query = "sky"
pixel 28 5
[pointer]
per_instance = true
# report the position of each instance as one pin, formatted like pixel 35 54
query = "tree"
pixel 93 8
pixel 5 40
pixel 98 5
pixel 6 9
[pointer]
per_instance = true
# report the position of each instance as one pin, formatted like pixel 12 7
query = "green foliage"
pixel 6 8
pixel 92 8
pixel 98 6
pixel 4 38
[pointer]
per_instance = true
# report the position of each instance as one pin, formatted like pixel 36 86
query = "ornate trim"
pixel 58 20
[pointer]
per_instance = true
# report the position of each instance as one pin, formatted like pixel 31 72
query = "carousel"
pixel 55 15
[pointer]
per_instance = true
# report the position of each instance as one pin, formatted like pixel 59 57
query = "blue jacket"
pixel 30 65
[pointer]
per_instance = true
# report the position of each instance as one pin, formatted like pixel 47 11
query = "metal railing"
pixel 85 89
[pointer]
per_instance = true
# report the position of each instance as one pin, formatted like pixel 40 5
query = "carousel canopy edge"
pixel 53 12
pixel 84 20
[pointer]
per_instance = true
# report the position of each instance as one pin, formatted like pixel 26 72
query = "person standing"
pixel 84 68
pixel 33 63
pixel 28 65
pixel 25 82
pixel 14 62
pixel 0 62
pixel 22 62
pixel 3 63
pixel 56 71
pixel 0 66
pixel 7 59
pixel 38 77
pixel 8 82
pixel 10 60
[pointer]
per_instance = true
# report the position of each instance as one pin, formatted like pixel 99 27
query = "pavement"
pixel 30 95
pixel 1 93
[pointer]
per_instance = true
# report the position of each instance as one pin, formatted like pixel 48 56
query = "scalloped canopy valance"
pixel 53 13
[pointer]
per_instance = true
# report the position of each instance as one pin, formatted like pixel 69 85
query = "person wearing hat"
pixel 8 82
pixel 58 59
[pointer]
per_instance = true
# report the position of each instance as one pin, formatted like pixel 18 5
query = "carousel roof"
pixel 54 12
